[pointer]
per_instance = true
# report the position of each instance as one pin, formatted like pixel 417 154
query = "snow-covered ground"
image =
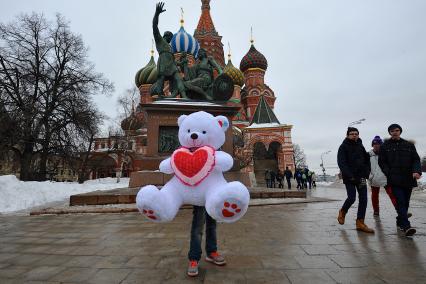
pixel 17 195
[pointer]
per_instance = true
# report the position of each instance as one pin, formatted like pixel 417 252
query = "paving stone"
pixel 43 272
pixel 355 275
pixel 279 262
pixel 315 261
pixel 152 276
pixel 320 249
pixel 77 275
pixel 265 276
pixel 109 276
pixel 308 276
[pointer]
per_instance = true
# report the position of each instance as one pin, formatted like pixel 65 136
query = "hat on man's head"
pixel 377 140
pixel 393 126
pixel 350 129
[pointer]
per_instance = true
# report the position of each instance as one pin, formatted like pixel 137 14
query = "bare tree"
pixel 299 156
pixel 46 84
pixel 126 108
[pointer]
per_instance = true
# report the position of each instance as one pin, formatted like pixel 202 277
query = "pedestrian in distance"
pixel 273 178
pixel 268 178
pixel 304 180
pixel 280 178
pixel 377 178
pixel 288 175
pixel 354 163
pixel 298 177
pixel 401 165
pixel 314 180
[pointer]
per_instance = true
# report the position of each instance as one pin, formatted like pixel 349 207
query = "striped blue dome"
pixel 184 42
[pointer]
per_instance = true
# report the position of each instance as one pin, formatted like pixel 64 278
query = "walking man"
pixel 273 177
pixel 268 178
pixel 288 175
pixel 354 163
pixel 400 162
pixel 377 178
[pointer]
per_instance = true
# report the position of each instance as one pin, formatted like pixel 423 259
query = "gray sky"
pixel 331 62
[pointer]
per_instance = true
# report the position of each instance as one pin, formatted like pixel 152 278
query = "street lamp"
pixel 359 121
pixel 322 162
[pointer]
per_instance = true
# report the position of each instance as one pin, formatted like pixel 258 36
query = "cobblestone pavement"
pixel 287 243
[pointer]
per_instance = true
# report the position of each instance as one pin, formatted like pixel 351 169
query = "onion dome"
pixel 236 75
pixel 184 42
pixel 253 59
pixel 148 74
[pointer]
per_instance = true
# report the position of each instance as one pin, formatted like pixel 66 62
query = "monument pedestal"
pixel 161 123
pixel 142 178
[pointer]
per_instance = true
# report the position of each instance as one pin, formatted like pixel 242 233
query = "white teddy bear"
pixel 198 167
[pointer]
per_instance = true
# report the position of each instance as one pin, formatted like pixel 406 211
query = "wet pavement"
pixel 284 243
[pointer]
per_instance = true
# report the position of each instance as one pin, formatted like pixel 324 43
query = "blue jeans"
pixel 402 196
pixel 351 190
pixel 200 217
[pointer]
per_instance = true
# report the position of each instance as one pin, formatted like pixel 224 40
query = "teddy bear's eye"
pixel 189 130
pixel 204 132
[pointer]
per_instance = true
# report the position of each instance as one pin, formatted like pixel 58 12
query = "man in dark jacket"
pixel 288 175
pixel 354 163
pixel 400 162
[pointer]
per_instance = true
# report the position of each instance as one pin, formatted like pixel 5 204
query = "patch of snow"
pixel 18 195
pixel 325 183
pixel 265 125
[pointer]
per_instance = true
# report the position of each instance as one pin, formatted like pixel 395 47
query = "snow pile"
pixel 422 182
pixel 18 195
pixel 324 183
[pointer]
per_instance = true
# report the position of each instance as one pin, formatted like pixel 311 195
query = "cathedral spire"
pixel 207 35
pixel 205 5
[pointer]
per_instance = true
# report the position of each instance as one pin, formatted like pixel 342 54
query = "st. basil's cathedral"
pixel 260 141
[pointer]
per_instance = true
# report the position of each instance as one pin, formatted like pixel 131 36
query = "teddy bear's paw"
pixel 228 203
pixel 231 208
pixel 150 213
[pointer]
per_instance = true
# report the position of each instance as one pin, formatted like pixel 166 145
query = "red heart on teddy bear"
pixel 193 167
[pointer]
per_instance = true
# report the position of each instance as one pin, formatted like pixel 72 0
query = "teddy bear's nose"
pixel 194 136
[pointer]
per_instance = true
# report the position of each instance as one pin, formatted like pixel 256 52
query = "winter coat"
pixel 288 174
pixel 353 161
pixel 398 160
pixel 377 178
pixel 267 175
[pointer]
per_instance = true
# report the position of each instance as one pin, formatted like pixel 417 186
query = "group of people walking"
pixel 393 164
pixel 304 178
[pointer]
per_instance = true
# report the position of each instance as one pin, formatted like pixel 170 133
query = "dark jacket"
pixel 398 160
pixel 353 161
pixel 288 174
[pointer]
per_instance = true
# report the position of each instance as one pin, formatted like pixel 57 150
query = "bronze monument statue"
pixel 167 69
pixel 198 82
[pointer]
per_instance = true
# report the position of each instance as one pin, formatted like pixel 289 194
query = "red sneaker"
pixel 216 258
pixel 192 268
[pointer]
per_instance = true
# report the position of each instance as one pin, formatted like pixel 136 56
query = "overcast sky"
pixel 331 62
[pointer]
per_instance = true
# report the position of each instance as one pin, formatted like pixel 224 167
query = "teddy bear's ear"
pixel 223 122
pixel 181 119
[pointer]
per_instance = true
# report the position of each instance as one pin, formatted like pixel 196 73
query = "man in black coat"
pixel 288 175
pixel 354 163
pixel 400 162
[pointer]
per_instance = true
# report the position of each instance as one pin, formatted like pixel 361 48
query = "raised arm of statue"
pixel 215 65
pixel 158 10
